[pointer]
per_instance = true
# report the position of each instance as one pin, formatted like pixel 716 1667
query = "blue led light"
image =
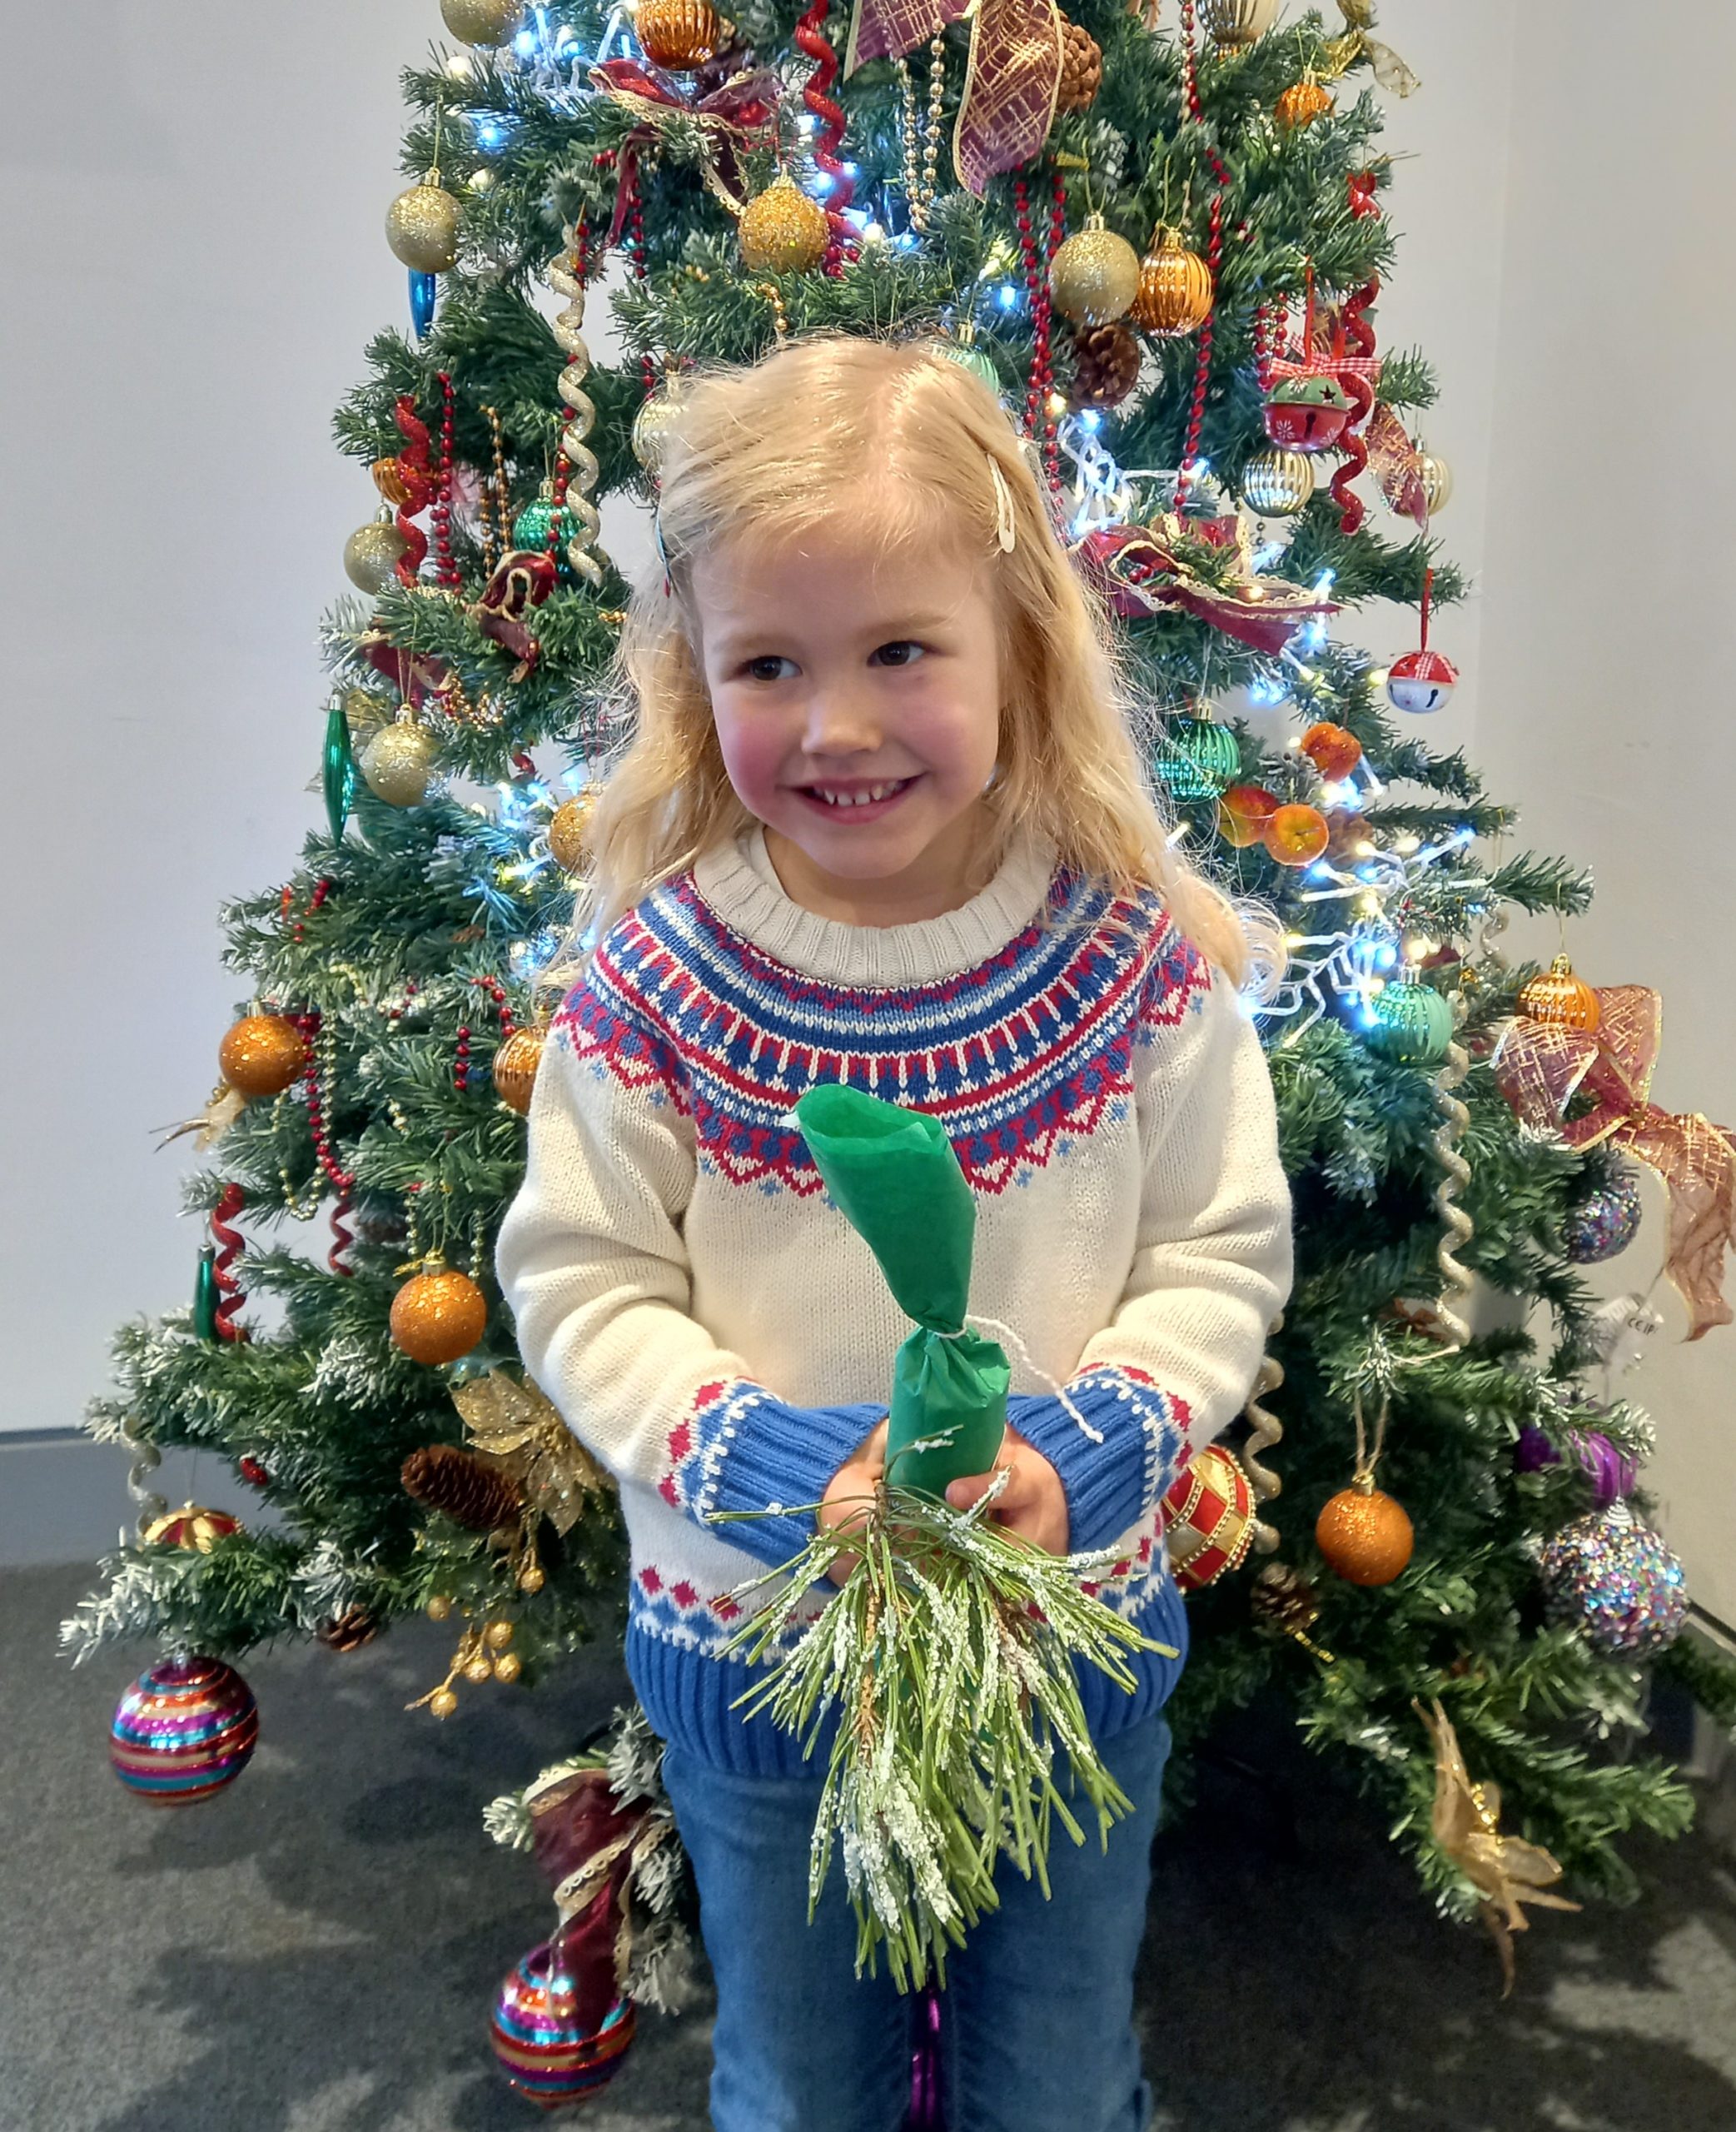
pixel 1008 295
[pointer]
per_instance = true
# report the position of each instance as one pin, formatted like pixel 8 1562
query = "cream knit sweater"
pixel 712 1329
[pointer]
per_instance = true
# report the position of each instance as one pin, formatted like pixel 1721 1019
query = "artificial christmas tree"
pixel 764 177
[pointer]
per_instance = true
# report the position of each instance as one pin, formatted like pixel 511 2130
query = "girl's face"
pixel 835 675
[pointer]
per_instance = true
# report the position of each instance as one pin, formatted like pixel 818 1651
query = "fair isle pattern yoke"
pixel 1031 1046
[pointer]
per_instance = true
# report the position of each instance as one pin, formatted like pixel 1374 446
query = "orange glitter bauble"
pixel 1297 835
pixel 677 34
pixel 515 1065
pixel 261 1055
pixel 1364 1536
pixel 1561 998
pixel 1302 103
pixel 439 1315
pixel 1243 812
pixel 1334 750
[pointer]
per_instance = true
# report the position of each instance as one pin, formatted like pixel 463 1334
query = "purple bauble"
pixel 1614 1578
pixel 1605 1221
pixel 183 1731
pixel 543 2051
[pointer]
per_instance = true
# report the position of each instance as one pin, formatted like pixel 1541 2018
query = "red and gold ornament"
pixel 191 1527
pixel 1208 1518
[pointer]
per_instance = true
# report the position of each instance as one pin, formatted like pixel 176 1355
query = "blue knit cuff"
pixel 1109 1486
pixel 778 1457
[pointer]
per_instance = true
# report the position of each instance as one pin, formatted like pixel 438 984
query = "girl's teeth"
pixel 858 798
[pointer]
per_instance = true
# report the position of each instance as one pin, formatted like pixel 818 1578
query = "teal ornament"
pixel 205 1295
pixel 541 522
pixel 1413 1024
pixel 340 772
pixel 424 295
pixel 1200 759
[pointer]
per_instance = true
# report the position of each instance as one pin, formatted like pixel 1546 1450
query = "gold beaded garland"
pixel 1175 287
pixel 782 231
pixel 422 227
pixel 1094 277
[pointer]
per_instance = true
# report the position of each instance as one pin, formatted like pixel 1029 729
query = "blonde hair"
pixel 906 441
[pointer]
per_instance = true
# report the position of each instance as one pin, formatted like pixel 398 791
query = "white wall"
pixel 194 260
pixel 1605 654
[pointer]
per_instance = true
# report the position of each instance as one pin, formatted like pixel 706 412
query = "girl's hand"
pixel 850 1494
pixel 1034 1504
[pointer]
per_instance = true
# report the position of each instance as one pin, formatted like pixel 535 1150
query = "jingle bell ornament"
pixel 543 2051
pixel 438 1315
pixel 1174 295
pixel 1559 996
pixel 1421 680
pixel 1277 483
pixel 1364 1536
pixel 1094 276
pixel 261 1055
pixel 515 1065
pixel 1208 1519
pixel 782 231
pixel 1614 1580
pixel 372 553
pixel 677 35
pixel 1307 414
pixel 422 227
pixel 186 1728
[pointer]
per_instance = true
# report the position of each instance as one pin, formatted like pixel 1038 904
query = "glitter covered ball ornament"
pixel 399 764
pixel 372 553
pixel 1302 103
pixel 1208 1518
pixel 1276 483
pixel 1364 1536
pixel 782 231
pixel 543 2051
pixel 1605 1218
pixel 1094 276
pixel 569 827
pixel 488 23
pixel 1614 1579
pixel 438 1315
pixel 261 1055
pixel 183 1731
pixel 422 227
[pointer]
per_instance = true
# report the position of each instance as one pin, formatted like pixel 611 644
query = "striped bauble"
pixel 183 1729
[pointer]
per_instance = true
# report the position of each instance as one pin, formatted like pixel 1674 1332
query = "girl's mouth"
pixel 841 806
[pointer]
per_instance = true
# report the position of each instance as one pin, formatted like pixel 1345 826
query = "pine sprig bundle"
pixel 947 1659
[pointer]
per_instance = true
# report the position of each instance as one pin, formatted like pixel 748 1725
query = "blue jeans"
pixel 1036 2033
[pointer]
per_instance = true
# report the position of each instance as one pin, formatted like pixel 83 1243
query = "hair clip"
pixel 1006 529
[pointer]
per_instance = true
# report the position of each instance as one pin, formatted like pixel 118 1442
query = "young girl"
pixel 882 822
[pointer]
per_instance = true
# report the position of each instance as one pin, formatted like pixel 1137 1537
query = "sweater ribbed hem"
pixel 687 1696
pixel 780 1460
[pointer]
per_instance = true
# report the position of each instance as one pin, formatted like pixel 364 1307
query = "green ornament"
pixel 1413 1023
pixel 1314 391
pixel 540 519
pixel 1200 759
pixel 340 772
pixel 205 1295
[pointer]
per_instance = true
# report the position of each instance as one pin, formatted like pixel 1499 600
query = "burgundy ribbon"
pixel 743 106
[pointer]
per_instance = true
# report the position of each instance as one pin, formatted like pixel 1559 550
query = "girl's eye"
pixel 900 653
pixel 768 668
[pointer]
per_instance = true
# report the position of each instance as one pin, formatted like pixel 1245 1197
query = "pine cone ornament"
pixel 1105 366
pixel 349 1631
pixel 1283 1599
pixel 1081 68
pixel 467 1488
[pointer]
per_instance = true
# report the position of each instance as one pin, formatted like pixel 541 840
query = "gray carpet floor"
pixel 315 1950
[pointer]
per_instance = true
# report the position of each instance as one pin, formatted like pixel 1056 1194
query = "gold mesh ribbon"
pixel 1539 1067
pixel 1012 76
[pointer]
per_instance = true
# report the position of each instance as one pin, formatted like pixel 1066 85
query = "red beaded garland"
pixel 446 570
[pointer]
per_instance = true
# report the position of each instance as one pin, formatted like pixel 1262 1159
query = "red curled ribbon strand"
pixel 829 137
pixel 413 465
pixel 229 1288
pixel 1361 391
pixel 342 1236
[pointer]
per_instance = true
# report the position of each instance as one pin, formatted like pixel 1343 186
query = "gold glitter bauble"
pixel 439 1608
pixel 1174 288
pixel 515 1065
pixel 782 231
pixel 482 22
pixel 1436 477
pixel 261 1055
pixel 1364 1537
pixel 1277 483
pixel 1237 22
pixel 439 1315
pixel 568 828
pixel 651 426
pixel 477 1669
pixel 531 1578
pixel 399 764
pixel 443 1702
pixel 1094 276
pixel 677 34
pixel 422 227
pixel 498 1634
pixel 508 1667
pixel 370 555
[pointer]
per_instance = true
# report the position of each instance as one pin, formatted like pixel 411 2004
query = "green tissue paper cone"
pixel 894 1177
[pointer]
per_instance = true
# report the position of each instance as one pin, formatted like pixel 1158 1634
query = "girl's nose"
pixel 840 720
